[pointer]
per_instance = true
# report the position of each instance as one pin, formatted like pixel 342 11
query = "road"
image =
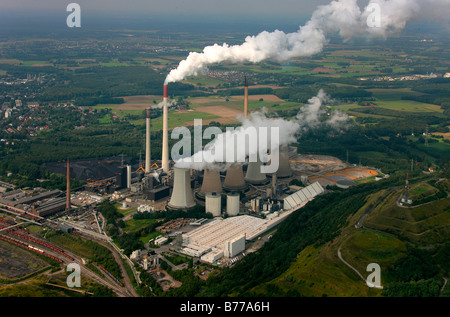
pixel 360 222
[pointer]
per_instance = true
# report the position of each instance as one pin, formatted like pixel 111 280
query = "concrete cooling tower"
pixel 254 175
pixel 182 196
pixel 211 183
pixel 234 179
pixel 284 168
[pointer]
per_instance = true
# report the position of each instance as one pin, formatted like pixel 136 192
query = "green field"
pixel 124 212
pixel 317 273
pixel 421 190
pixel 421 225
pixel 409 106
pixel 136 225
pixel 393 94
pixel 367 246
pixel 178 119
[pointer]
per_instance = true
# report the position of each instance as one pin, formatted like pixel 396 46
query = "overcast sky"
pixel 177 7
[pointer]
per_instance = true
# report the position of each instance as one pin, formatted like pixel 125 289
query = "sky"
pixel 244 15
pixel 192 8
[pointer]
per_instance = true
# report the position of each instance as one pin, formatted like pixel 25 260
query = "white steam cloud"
pixel 340 16
pixel 313 115
pixel 163 103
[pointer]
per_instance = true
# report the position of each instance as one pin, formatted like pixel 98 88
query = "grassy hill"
pixel 421 225
pixel 410 245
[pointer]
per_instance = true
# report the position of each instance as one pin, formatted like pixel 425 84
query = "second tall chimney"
pixel 147 142
pixel 165 145
pixel 246 98
pixel 68 186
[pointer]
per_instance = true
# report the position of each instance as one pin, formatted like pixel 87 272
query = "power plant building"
pixel 234 246
pixel 302 196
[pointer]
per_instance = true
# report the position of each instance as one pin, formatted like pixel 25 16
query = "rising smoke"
pixel 341 16
pixel 161 104
pixel 313 115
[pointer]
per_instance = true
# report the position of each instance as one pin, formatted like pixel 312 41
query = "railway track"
pixel 15 235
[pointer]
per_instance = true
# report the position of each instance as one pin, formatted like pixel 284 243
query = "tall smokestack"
pixel 68 186
pixel 147 142
pixel 165 148
pixel 246 98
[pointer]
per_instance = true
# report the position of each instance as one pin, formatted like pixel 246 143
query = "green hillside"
pixel 410 245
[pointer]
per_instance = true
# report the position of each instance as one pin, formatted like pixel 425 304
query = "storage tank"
pixel 233 204
pixel 213 204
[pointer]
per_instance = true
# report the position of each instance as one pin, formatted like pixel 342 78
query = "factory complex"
pixel 227 237
pixel 241 203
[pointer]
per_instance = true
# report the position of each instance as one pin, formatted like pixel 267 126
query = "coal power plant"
pixel 242 188
pixel 239 200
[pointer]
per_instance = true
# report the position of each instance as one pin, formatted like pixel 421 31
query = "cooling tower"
pixel 211 183
pixel 284 168
pixel 165 144
pixel 147 142
pixel 234 179
pixel 254 175
pixel 182 196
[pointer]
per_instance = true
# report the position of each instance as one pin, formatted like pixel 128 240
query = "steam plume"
pixel 310 116
pixel 339 16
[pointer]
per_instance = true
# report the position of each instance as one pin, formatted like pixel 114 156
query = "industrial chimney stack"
pixel 68 186
pixel 165 149
pixel 246 98
pixel 147 142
